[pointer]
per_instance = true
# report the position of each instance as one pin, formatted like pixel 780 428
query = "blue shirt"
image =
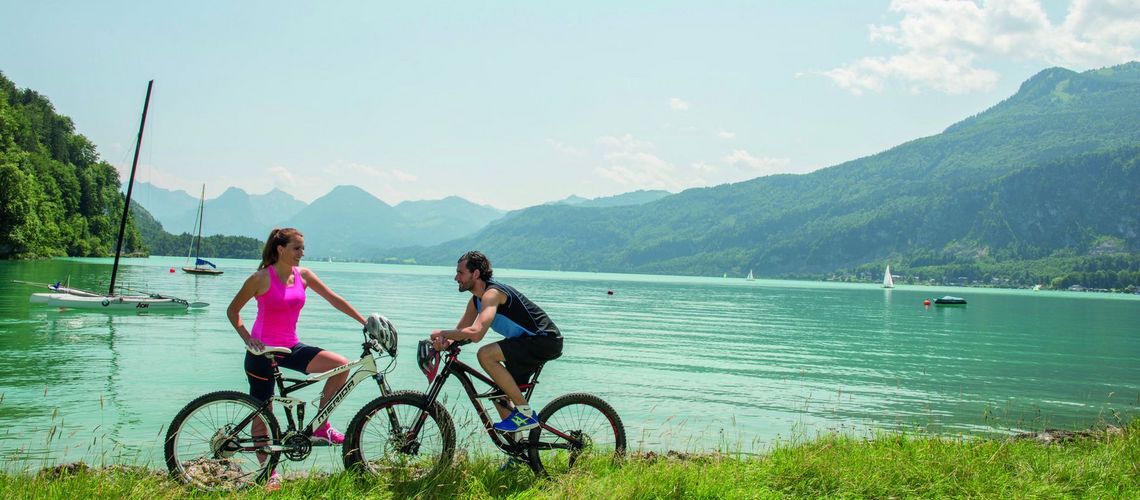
pixel 518 316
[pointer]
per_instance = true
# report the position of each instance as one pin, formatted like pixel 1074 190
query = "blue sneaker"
pixel 511 464
pixel 517 422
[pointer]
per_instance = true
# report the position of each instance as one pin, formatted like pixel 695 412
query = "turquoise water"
pixel 689 363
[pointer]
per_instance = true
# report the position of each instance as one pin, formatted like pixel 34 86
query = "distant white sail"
pixel 750 277
pixel 888 282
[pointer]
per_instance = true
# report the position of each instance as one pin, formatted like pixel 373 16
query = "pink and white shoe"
pixel 274 482
pixel 327 434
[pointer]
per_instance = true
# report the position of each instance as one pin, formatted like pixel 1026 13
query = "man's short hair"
pixel 477 261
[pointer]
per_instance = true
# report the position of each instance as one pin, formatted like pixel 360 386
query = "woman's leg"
pixel 323 362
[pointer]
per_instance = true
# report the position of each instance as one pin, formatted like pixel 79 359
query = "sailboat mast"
pixel 130 186
pixel 198 241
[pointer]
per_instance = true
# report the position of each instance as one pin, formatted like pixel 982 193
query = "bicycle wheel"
pixel 584 427
pixel 206 449
pixel 379 441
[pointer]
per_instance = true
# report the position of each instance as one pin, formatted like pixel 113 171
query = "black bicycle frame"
pixel 463 372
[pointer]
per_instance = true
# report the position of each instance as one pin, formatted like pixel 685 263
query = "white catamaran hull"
pixel 120 303
pixel 59 291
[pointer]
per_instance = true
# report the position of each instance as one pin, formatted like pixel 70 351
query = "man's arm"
pixel 481 322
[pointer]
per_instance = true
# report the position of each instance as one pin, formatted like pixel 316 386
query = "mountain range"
pixel 1052 170
pixel 346 223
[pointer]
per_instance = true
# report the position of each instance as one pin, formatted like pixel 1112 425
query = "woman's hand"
pixel 254 345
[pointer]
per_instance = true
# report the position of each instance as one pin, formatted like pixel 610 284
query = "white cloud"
pixel 630 165
pixel 625 142
pixel 563 148
pixel 678 104
pixel 945 45
pixel 740 157
pixel 403 176
pixel 724 134
pixel 639 170
pixel 283 179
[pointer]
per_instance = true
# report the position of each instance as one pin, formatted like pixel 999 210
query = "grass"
pixel 1098 465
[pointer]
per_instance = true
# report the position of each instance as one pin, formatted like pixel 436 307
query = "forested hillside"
pixel 56 196
pixel 1047 172
pixel 161 242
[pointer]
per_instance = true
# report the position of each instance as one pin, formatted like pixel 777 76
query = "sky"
pixel 513 104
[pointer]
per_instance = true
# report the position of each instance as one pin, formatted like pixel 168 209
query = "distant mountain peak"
pixel 570 200
pixel 233 191
pixel 1056 88
pixel 1044 82
pixel 347 195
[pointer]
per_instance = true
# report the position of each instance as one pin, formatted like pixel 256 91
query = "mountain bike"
pixel 211 445
pixel 410 435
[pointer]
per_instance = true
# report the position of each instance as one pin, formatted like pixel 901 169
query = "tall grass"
pixel 1100 465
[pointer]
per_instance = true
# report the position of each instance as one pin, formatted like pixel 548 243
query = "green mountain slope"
pixel 928 197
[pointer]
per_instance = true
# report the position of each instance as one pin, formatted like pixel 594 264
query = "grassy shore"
pixel 1096 465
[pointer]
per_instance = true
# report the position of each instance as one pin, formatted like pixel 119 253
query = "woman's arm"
pixel 249 289
pixel 312 281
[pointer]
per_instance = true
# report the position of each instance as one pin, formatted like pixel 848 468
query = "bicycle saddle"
pixel 269 350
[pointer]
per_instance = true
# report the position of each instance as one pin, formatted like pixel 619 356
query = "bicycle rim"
pixel 206 449
pixel 380 440
pixel 587 428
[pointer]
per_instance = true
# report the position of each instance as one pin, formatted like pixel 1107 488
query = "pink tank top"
pixel 277 311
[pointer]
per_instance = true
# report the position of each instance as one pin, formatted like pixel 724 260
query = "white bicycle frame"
pixel 365 368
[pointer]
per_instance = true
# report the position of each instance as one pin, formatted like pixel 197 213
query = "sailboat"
pixel 888 282
pixel 73 298
pixel 201 266
pixel 750 277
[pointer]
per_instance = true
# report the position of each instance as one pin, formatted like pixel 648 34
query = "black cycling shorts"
pixel 523 355
pixel 259 370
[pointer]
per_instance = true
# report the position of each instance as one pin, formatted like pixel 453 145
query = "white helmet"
pixel 383 331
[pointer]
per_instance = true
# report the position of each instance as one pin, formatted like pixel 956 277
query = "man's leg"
pixel 491 359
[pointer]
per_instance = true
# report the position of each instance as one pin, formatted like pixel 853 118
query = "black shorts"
pixel 259 370
pixel 523 355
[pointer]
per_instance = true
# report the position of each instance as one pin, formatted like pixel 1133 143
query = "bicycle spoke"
pixel 206 448
pixel 380 439
pixel 575 427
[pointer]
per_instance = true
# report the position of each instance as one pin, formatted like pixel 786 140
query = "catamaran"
pixel 74 298
pixel 888 281
pixel 201 266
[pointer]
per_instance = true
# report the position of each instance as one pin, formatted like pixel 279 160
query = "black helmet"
pixel 428 359
pixel 382 331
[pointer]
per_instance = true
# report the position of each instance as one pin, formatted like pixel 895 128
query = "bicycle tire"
pixel 199 432
pixel 375 443
pixel 583 416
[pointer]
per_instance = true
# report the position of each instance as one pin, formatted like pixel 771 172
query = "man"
pixel 531 337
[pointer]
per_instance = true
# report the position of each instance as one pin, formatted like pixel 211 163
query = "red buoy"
pixel 172 269
pixel 926 302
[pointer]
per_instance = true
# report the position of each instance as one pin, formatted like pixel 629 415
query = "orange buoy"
pixel 926 302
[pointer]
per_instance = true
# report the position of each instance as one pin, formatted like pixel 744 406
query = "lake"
pixel 689 363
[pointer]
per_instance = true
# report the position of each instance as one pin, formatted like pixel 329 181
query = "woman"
pixel 279 287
